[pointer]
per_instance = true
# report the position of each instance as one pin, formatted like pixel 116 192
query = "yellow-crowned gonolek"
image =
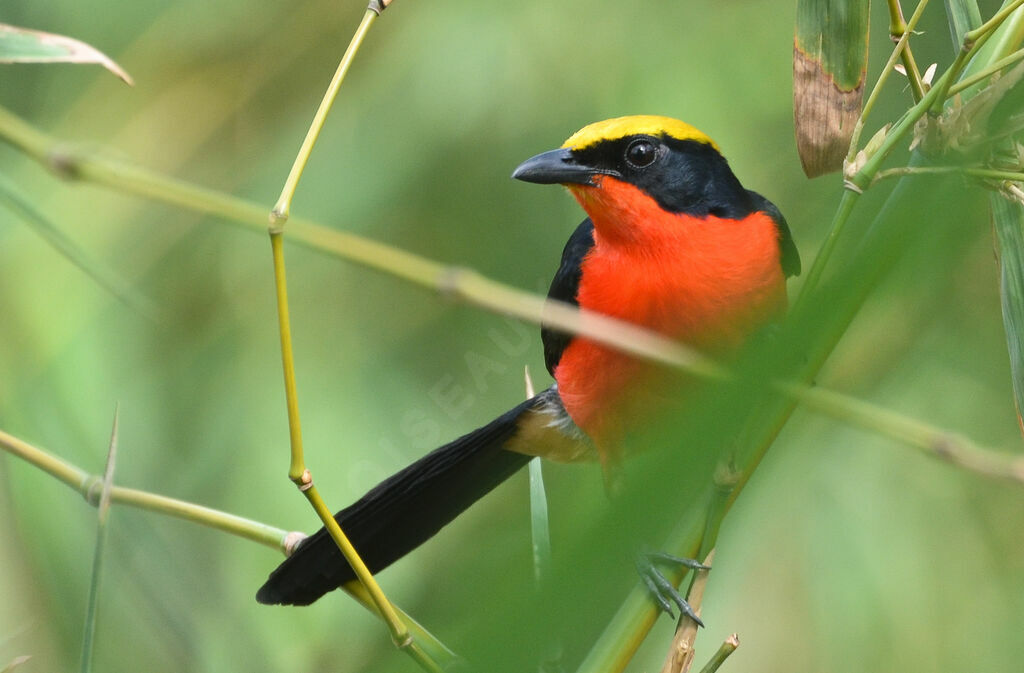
pixel 674 243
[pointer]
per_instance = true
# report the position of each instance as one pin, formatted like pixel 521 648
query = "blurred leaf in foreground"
pixel 22 45
pixel 1008 222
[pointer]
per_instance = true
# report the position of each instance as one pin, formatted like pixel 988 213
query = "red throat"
pixel 707 281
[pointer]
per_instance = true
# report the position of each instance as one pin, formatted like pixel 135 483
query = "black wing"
pixel 564 287
pixel 790 256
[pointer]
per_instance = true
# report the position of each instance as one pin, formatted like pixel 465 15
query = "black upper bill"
pixel 556 167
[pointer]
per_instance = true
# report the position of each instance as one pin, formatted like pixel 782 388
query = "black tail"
pixel 402 512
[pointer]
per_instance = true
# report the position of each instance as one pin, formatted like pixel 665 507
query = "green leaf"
pixel 829 66
pixel 963 16
pixel 1008 222
pixel 22 45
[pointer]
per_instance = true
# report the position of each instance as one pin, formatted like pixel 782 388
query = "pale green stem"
pixel 88 486
pixel 1002 63
pixel 282 209
pixel 301 476
pixel 985 173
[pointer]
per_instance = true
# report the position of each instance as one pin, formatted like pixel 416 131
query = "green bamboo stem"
pixel 300 474
pixel 88 486
pixel 283 541
pixel 282 208
pixel 899 31
pixel 297 471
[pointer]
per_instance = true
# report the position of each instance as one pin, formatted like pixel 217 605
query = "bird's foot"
pixel 661 589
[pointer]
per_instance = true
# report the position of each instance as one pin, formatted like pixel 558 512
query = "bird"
pixel 672 242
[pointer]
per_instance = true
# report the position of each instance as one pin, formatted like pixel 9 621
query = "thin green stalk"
pixel 87 484
pixel 976 172
pixel 282 209
pixel 883 76
pixel 931 440
pixel 898 31
pixel 300 474
pixel 723 653
pixel 103 510
pixel 269 536
pixel 400 633
pixel 297 471
pixel 970 81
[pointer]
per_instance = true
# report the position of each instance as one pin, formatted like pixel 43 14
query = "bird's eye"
pixel 641 153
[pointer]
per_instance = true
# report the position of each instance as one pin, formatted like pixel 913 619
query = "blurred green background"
pixel 846 553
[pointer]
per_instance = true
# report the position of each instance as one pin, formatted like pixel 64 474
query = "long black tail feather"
pixel 402 512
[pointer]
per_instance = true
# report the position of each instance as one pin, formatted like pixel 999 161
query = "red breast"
pixel 707 281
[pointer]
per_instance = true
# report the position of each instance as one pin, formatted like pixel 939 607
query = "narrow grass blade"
pixel 60 242
pixel 103 508
pixel 1008 222
pixel 22 45
pixel 829 66
pixel 539 521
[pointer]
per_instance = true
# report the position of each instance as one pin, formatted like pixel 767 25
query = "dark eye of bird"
pixel 641 153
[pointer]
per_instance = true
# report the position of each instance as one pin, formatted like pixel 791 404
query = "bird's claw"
pixel 661 589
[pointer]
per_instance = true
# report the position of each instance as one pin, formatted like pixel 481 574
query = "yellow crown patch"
pixel 620 127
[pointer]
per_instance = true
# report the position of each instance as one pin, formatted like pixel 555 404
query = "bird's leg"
pixel 661 589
